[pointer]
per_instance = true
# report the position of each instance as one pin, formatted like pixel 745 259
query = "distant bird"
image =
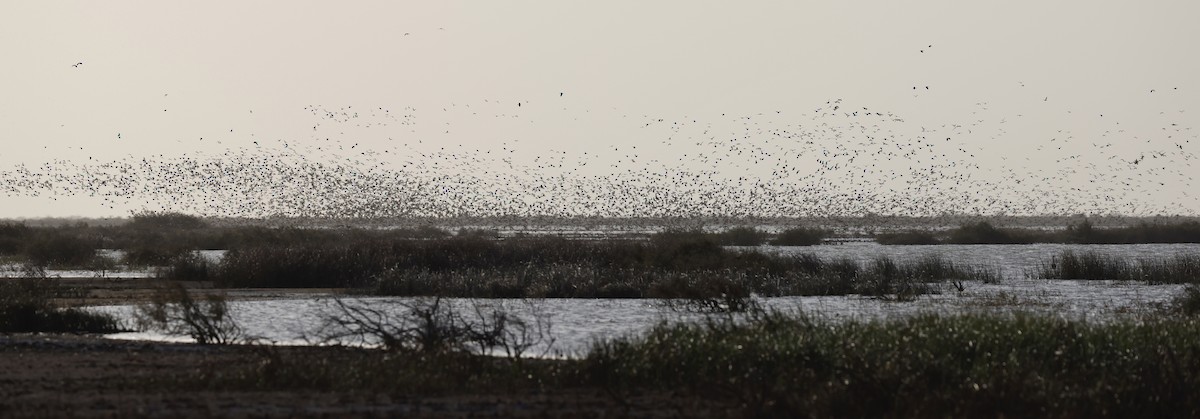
pixel 76 65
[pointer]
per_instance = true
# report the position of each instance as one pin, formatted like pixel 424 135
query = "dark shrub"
pixel 1189 302
pixel 800 237
pixel 25 307
pixel 741 236
pixel 911 237
pixel 984 233
pixel 682 250
pixel 12 238
pixel 153 255
pixel 1082 232
pixel 60 249
pixel 188 266
pixel 479 233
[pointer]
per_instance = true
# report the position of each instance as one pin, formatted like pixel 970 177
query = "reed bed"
pixel 1176 269
pixel 666 266
pixel 1083 233
pixel 788 365
pixel 959 366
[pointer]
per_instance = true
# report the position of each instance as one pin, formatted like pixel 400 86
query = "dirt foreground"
pixel 88 376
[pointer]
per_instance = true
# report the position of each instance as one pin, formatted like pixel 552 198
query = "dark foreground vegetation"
pixel 1082 233
pixel 959 366
pixel 154 239
pixel 755 365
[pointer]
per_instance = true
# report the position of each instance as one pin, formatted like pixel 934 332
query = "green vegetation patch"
pixel 958 366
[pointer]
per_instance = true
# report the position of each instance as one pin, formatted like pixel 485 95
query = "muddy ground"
pixel 88 376
pixel 66 375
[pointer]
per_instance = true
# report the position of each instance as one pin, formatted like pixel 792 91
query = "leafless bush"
pixel 434 325
pixel 174 311
pixel 497 329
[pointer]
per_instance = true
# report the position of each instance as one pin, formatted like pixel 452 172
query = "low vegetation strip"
pixel 667 266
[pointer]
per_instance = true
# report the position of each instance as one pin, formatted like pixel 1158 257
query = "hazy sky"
pixel 1018 107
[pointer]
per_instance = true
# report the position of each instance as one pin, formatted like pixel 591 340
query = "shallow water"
pixel 577 322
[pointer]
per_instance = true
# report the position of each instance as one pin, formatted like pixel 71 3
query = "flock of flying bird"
pixel 835 159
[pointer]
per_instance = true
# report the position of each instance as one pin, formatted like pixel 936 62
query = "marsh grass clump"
pixel 705 292
pixel 1177 269
pixel 1188 303
pixel 904 280
pixel 1089 265
pixel 886 279
pixel 969 365
pixel 27 306
pixel 882 277
pixel 151 220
